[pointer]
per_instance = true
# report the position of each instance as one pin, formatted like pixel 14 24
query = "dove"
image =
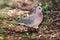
pixel 32 20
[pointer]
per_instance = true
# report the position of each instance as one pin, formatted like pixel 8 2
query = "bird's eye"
pixel 39 8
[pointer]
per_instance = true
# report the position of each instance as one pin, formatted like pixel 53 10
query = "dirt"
pixel 51 31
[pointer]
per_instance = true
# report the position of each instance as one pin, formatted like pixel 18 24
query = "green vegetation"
pixel 3 16
pixel 1 2
pixel 21 16
pixel 28 36
pixel 46 7
pixel 25 36
pixel 4 9
pixel 7 5
pixel 7 2
pixel 1 32
pixel 13 22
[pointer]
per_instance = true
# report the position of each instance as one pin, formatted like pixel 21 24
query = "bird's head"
pixel 38 9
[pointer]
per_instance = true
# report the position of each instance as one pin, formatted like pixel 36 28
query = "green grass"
pixel 21 16
pixel 5 9
pixel 3 16
pixel 1 2
pixel 13 22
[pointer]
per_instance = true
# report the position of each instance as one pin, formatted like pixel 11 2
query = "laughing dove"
pixel 34 19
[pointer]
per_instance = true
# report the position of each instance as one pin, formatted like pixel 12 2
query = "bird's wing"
pixel 25 22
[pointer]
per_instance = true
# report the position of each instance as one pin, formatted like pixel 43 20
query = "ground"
pixel 49 29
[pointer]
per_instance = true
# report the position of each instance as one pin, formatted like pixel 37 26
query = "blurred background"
pixel 12 10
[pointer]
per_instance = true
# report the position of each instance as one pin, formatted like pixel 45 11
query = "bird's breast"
pixel 40 14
